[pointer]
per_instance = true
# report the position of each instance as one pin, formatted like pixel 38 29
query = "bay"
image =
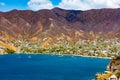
pixel 50 67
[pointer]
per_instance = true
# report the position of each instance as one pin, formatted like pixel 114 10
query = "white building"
pixel 113 77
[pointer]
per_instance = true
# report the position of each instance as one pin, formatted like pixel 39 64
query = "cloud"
pixel 40 4
pixel 74 4
pixel 2 4
pixel 89 4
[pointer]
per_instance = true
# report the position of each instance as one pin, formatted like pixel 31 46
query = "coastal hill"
pixel 10 47
pixel 58 24
pixel 47 27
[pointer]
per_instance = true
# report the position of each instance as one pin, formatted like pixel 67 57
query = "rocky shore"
pixel 112 72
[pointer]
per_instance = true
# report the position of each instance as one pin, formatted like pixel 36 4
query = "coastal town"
pixel 98 48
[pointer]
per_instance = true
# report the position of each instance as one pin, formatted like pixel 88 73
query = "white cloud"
pixel 40 4
pixel 89 4
pixel 2 3
pixel 74 4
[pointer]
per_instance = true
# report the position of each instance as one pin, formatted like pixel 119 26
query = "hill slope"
pixel 59 24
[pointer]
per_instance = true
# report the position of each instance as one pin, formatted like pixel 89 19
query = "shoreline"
pixel 62 55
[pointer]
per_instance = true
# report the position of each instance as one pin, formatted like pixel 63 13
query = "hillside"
pixel 60 25
pixel 9 47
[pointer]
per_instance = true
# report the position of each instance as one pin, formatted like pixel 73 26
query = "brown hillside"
pixel 59 24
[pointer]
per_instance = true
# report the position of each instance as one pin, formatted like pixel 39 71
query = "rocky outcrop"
pixel 114 64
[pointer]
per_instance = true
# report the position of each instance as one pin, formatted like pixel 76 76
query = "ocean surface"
pixel 49 67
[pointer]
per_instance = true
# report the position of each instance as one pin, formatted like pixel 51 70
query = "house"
pixel 113 77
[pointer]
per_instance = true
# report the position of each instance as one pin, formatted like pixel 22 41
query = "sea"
pixel 50 67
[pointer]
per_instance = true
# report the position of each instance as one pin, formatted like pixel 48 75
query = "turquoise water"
pixel 49 67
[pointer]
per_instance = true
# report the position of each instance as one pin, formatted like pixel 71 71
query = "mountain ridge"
pixel 58 24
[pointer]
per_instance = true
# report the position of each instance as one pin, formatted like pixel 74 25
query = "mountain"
pixel 58 24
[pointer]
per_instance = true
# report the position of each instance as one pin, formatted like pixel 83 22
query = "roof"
pixel 113 76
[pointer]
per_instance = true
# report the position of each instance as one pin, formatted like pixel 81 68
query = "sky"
pixel 7 5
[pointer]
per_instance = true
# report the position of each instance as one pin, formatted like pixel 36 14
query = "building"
pixel 113 77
